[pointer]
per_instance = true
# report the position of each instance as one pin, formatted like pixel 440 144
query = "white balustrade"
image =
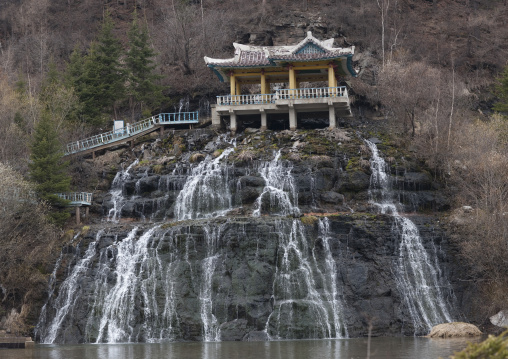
pixel 310 93
pixel 245 99
pixel 284 94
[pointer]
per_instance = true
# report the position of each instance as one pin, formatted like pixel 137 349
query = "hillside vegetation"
pixel 431 72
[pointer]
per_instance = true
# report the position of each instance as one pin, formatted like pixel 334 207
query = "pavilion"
pixel 284 75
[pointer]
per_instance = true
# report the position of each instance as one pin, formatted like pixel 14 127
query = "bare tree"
pixel 479 172
pixel 27 242
pixel 383 6
pixel 407 89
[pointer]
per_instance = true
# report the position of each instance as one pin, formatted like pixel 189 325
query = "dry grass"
pixel 246 155
pixel 454 330
pixel 197 157
pixel 309 220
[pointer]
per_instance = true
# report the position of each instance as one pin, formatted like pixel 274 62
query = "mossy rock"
pixel 309 220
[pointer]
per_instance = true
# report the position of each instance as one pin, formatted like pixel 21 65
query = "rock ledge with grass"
pixel 454 330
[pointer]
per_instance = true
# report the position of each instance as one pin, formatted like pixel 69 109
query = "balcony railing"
pixel 132 130
pixel 245 99
pixel 77 198
pixel 284 94
pixel 308 93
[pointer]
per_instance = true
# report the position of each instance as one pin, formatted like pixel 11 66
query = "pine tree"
pixel 91 89
pixel 143 89
pixel 99 78
pixel 47 169
pixel 501 91
pixel 74 72
pixel 106 55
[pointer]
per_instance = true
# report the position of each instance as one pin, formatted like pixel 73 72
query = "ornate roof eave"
pixel 325 44
pixel 216 72
pixel 221 71
pixel 349 64
pixel 266 56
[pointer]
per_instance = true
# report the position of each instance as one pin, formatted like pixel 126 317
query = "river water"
pixel 385 347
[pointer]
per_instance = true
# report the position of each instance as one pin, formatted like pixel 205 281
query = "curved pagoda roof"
pixel 309 49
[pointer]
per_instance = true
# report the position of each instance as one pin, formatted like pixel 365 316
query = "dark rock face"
pixel 248 278
pixel 336 179
pixel 220 280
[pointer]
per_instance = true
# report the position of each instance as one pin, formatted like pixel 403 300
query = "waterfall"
pixel 417 274
pixel 206 192
pixel 305 288
pixel 183 105
pixel 186 280
pixel 117 192
pixel 128 289
pixel 211 330
pixel 333 295
pixel 69 294
pixel 204 106
pixel 51 290
pixel 305 282
pixel 170 182
pixel 133 259
pixel 279 196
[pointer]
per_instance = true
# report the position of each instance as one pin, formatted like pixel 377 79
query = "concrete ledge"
pixel 16 342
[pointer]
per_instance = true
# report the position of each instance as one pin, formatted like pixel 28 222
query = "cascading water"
pixel 204 106
pixel 417 274
pixel 117 195
pixel 139 283
pixel 134 264
pixel 279 196
pixel 304 290
pixel 51 290
pixel 183 105
pixel 211 330
pixel 207 192
pixel 69 294
pixel 306 300
pixel 333 294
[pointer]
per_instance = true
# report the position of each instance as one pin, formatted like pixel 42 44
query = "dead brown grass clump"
pixel 246 155
pixel 454 330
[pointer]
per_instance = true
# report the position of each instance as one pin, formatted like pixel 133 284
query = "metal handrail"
pixel 76 197
pixel 131 130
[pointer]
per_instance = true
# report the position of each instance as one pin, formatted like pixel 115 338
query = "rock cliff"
pixel 276 238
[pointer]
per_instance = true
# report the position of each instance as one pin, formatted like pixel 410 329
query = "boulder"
pixel 332 197
pixel 454 330
pixel 252 181
pixel 500 319
pixel 148 184
pixel 234 330
pixel 355 181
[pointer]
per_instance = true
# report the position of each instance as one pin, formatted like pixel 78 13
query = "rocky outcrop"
pixel 245 274
pixel 500 319
pixel 330 169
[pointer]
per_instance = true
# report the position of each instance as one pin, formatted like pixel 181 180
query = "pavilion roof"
pixel 309 49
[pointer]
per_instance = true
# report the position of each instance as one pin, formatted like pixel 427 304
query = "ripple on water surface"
pixel 387 347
